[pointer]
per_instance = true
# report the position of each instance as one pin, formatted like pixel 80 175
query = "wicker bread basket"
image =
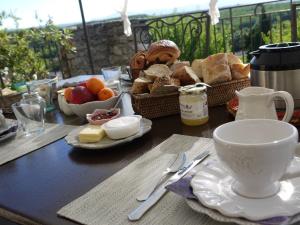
pixel 221 93
pixel 153 106
pixel 7 100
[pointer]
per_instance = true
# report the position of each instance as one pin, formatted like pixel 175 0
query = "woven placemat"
pixel 20 145
pixel 111 201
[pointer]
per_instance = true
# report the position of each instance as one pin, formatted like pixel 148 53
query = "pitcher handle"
pixel 289 104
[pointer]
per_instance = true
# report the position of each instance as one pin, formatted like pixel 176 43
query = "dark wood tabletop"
pixel 34 187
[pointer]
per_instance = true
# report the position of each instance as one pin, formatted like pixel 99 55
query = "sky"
pixel 67 11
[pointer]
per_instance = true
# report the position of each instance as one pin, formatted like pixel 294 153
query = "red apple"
pixel 83 84
pixel 81 95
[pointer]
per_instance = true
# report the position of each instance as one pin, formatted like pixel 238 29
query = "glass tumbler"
pixel 30 113
pixel 111 73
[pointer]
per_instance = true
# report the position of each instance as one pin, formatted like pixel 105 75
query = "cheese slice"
pixel 91 134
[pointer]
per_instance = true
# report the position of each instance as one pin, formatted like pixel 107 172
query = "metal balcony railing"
pixel 241 29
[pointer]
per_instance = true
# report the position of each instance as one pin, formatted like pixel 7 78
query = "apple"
pixel 81 95
pixel 83 84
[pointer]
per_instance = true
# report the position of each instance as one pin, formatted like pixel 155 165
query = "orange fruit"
pixel 105 93
pixel 94 85
pixel 68 94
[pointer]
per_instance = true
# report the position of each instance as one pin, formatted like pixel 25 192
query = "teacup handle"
pixel 289 104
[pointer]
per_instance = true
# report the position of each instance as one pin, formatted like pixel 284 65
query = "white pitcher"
pixel 258 102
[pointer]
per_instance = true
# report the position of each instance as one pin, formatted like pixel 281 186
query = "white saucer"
pixel 212 186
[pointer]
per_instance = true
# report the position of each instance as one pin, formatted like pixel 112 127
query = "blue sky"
pixel 67 11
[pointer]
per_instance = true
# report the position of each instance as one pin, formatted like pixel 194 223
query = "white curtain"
pixel 126 21
pixel 214 12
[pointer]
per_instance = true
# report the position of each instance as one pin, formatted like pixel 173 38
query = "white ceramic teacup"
pixel 256 153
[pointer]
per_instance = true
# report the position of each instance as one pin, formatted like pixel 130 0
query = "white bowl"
pixel 102 111
pixel 122 127
pixel 89 107
pixel 63 105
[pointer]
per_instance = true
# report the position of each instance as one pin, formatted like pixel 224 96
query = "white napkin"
pixel 126 21
pixel 214 12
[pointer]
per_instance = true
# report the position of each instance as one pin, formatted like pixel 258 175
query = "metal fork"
pixel 174 167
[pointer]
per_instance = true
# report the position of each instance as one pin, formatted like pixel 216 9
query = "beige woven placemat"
pixel 111 201
pixel 21 145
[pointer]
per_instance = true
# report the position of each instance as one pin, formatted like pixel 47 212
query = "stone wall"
pixel 109 47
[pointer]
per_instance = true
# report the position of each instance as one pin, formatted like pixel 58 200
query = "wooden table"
pixel 34 187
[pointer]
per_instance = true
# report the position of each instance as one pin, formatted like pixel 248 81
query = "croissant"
pixel 163 51
pixel 137 63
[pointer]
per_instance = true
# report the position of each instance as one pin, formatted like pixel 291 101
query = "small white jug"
pixel 258 102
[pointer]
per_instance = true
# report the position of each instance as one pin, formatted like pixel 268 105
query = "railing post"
pixel 86 38
pixel 294 35
pixel 231 29
pixel 207 37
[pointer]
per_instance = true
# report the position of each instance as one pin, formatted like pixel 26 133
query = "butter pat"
pixel 91 134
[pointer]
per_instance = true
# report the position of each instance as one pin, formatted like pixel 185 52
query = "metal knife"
pixel 137 213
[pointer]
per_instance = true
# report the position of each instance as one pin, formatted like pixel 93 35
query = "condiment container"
pixel 101 116
pixel 122 127
pixel 193 104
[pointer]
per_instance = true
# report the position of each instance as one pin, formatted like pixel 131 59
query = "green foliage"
pixel 23 53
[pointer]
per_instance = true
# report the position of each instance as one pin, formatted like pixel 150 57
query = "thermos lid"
pixel 276 57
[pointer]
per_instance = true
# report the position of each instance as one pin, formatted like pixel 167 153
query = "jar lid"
pixel 194 88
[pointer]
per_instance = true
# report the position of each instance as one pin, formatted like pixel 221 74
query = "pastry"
pixel 137 63
pixel 186 76
pixel 215 69
pixel 163 51
pixel 233 59
pixel 178 64
pixel 239 71
pixel 157 70
pixel 140 85
pixel 163 85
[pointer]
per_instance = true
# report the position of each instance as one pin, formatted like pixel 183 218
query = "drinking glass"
pixel 112 76
pixel 111 73
pixel 30 116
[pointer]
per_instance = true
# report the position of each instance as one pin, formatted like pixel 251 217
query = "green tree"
pixel 22 51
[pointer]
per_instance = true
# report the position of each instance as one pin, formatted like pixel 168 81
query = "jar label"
pixel 194 110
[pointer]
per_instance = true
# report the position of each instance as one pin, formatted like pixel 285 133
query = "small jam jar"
pixel 193 104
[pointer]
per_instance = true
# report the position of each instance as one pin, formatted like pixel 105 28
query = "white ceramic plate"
pixel 72 138
pixel 212 186
pixel 216 215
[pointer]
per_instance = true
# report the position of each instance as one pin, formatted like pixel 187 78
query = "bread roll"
pixel 177 64
pixel 197 67
pixel 215 69
pixel 163 51
pixel 159 82
pixel 233 59
pixel 163 85
pixel 186 76
pixel 175 82
pixel 217 74
pixel 239 71
pixel 140 85
pixel 157 70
